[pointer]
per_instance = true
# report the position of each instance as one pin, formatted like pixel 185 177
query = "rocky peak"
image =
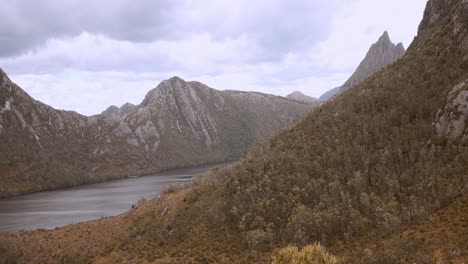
pixel 385 38
pixel 164 89
pixel 380 54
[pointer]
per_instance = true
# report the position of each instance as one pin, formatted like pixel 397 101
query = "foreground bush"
pixel 311 254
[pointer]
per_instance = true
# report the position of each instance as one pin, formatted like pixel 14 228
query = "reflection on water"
pixel 88 202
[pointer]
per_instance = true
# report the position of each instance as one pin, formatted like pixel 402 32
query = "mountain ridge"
pixel 189 122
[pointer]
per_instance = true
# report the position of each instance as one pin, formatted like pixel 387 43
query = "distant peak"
pixel 176 79
pixel 127 105
pixel 299 96
pixel 385 38
pixel 400 46
pixel 297 93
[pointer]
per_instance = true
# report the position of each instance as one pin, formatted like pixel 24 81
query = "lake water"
pixel 88 202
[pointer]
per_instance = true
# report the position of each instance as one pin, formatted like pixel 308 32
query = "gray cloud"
pixel 273 26
pixel 27 24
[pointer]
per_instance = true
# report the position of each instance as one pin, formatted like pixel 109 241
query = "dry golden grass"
pixel 310 254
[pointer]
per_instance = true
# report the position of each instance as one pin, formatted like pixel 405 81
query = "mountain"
pixel 298 96
pixel 178 124
pixel 377 175
pixel 380 54
pixel 122 111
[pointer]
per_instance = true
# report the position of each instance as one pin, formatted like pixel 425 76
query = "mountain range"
pixel 178 124
pixel 380 54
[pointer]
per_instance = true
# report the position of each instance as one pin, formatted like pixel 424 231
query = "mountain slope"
pixel 178 124
pixel 302 97
pixel 329 94
pixel 380 54
pixel 362 166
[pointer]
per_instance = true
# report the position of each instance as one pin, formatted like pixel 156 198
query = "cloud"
pixel 87 55
pixel 275 25
pixel 27 24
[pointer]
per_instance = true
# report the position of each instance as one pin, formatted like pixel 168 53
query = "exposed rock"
pixel 451 121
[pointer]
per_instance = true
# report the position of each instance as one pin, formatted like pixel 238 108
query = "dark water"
pixel 87 202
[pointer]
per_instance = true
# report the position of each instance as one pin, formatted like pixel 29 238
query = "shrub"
pixel 311 254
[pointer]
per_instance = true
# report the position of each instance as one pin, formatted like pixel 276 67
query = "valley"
pixel 376 172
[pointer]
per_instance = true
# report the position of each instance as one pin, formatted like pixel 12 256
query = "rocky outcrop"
pixel 380 54
pixel 451 122
pixel 178 124
pixel 298 96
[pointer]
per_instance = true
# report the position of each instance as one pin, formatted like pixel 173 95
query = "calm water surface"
pixel 87 202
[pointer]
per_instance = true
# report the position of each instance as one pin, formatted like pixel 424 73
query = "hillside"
pixel 380 54
pixel 302 97
pixel 386 157
pixel 178 124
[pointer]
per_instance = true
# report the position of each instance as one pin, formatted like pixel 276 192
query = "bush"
pixel 311 254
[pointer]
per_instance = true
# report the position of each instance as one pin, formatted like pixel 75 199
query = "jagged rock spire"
pixel 380 54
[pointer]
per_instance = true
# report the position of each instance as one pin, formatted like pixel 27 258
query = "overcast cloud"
pixel 87 55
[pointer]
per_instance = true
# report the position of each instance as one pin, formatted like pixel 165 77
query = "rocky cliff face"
pixel 178 124
pixel 298 96
pixel 380 54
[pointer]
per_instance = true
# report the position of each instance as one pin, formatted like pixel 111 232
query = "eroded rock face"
pixel 178 124
pixel 451 122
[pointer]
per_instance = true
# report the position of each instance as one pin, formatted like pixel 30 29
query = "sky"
pixel 87 55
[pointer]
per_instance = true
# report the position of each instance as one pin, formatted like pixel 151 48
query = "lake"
pixel 87 202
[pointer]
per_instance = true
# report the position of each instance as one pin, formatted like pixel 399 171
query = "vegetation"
pixel 311 254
